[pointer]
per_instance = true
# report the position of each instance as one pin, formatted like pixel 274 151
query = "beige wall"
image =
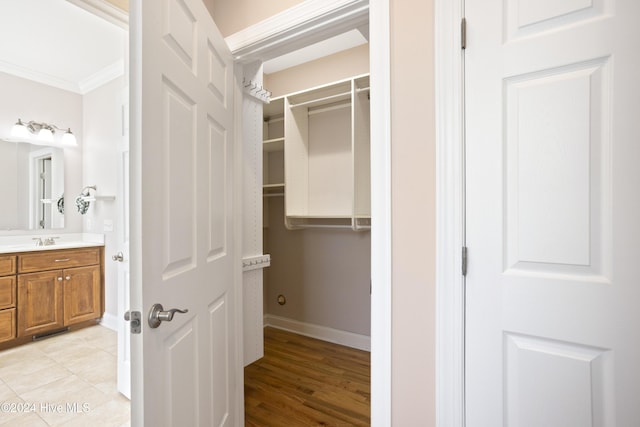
pixel 236 15
pixel 122 4
pixel 324 274
pixel 342 65
pixel 413 212
pixel 413 206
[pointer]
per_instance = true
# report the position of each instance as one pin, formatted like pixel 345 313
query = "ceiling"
pixel 59 44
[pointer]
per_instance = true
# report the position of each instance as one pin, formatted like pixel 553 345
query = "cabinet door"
pixel 7 292
pixel 7 324
pixel 39 302
pixel 81 294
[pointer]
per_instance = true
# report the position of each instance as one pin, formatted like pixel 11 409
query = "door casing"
pixel 450 303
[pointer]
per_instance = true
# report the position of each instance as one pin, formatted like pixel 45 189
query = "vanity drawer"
pixel 7 292
pixel 56 260
pixel 7 265
pixel 7 324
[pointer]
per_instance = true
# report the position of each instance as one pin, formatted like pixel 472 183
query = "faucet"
pixel 50 241
pixel 39 241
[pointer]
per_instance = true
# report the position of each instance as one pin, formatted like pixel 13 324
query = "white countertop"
pixel 25 243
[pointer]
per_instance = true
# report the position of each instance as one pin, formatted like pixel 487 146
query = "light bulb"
pixel 45 135
pixel 19 130
pixel 69 139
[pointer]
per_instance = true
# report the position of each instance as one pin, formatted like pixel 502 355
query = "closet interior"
pixel 317 211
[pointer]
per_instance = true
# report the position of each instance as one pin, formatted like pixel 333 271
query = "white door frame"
pixel 301 25
pixel 380 70
pixel 449 66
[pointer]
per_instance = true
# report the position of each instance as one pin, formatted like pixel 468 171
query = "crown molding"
pixel 38 77
pixel 103 76
pixel 307 23
pixel 105 10
pixel 90 83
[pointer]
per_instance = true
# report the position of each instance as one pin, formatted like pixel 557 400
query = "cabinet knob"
pixel 59 279
pixel 68 277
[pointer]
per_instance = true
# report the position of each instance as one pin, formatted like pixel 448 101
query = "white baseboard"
pixel 349 339
pixel 109 321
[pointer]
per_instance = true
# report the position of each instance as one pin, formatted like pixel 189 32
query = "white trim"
pixel 38 76
pixel 337 336
pixel 449 215
pixel 380 72
pixel 101 77
pixel 109 321
pixel 237 247
pixel 297 27
pixel 88 84
pixel 105 10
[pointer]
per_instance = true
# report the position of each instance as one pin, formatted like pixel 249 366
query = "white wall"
pixel 28 100
pixel 102 118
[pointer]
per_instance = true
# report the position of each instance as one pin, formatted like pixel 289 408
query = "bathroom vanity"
pixel 45 290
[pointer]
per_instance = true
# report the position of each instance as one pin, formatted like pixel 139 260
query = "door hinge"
pixel 464 260
pixel 463 34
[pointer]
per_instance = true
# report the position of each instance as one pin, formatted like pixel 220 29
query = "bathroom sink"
pixel 29 247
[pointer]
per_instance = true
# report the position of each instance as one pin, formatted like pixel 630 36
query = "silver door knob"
pixel 119 257
pixel 157 315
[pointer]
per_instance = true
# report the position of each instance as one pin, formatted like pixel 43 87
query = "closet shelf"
pixel 275 144
pixel 344 96
pixel 321 152
pixel 272 187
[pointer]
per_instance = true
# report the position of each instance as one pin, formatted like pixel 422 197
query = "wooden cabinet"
pixel 40 302
pixel 50 290
pixel 82 296
pixel 7 298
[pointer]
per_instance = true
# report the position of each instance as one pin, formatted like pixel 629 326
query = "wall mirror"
pixel 31 186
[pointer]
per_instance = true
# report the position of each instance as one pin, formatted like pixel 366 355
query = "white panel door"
pixel 553 201
pixel 183 219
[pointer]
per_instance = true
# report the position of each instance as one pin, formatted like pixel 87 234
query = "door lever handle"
pixel 157 315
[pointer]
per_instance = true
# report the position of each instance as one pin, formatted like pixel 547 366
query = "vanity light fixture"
pixel 43 132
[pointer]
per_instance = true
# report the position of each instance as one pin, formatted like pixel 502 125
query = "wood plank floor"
pixel 302 381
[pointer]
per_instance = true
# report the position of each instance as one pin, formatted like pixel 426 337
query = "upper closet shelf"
pixel 326 156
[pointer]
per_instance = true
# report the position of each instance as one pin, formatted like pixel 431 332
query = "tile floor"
pixel 66 380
